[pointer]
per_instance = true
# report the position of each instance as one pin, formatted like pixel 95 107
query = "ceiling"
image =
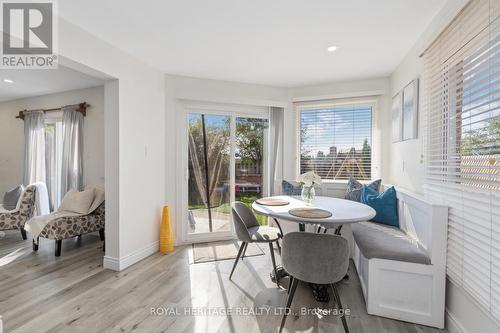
pixel 37 82
pixel 279 42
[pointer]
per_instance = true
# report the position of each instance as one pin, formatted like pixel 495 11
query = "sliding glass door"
pixel 209 183
pixel 226 161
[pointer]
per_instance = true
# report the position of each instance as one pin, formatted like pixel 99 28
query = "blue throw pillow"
pixel 290 188
pixel 385 204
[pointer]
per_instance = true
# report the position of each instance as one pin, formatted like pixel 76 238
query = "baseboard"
pixel 119 264
pixel 111 263
pixel 452 324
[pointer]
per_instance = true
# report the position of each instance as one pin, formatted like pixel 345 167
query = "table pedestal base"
pixel 281 273
pixel 320 292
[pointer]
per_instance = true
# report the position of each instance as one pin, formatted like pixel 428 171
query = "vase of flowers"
pixel 308 180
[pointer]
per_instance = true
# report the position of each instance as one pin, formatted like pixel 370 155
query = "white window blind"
pixel 336 140
pixel 462 106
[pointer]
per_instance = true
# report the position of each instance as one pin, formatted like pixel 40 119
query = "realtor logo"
pixel 28 38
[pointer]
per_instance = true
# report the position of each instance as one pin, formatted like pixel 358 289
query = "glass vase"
pixel 308 194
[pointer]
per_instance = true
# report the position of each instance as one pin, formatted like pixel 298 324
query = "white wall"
pixel 404 162
pixel 134 143
pixel 371 87
pixel 181 87
pixel 406 169
pixel 11 148
pixel 12 134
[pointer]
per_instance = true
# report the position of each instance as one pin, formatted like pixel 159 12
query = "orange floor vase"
pixel 166 235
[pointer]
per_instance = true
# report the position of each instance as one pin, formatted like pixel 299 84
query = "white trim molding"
pixel 119 264
pixel 452 324
pixel 339 95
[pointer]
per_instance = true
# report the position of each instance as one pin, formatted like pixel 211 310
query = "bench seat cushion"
pixel 383 242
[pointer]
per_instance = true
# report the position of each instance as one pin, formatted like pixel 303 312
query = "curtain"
pixel 72 150
pixel 276 141
pixel 34 147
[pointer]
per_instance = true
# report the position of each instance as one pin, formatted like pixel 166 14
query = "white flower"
pixel 309 178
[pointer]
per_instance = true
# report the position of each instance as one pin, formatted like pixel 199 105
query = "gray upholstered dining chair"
pixel 314 258
pixel 248 231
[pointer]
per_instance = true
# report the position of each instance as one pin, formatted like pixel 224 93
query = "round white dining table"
pixel 343 211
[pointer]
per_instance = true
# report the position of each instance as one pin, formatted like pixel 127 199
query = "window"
pixel 462 107
pixel 53 158
pixel 336 141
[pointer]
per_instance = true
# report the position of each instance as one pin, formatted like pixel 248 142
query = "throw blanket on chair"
pixel 36 225
pixel 41 199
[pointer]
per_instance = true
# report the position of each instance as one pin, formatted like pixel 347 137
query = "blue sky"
pixel 343 127
pixel 210 119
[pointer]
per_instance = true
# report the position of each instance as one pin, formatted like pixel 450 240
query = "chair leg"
pixel 58 248
pixel 274 264
pixel 240 251
pixel 338 230
pixel 23 233
pixel 101 233
pixel 295 282
pixel 290 282
pixel 279 227
pixel 244 251
pixel 337 300
pixel 35 245
pixel 279 246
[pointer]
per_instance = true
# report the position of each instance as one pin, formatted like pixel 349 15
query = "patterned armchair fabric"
pixel 67 227
pixel 17 219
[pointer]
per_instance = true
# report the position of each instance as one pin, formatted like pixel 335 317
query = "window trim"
pixel 373 101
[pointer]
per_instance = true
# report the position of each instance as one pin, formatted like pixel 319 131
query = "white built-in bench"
pixel 403 273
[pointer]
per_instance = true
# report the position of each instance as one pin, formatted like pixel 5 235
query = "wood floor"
pixel 73 293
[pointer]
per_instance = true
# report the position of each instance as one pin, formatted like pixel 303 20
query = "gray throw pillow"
pixel 353 191
pixel 11 197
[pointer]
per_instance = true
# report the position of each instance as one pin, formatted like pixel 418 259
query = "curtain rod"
pixel 82 108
